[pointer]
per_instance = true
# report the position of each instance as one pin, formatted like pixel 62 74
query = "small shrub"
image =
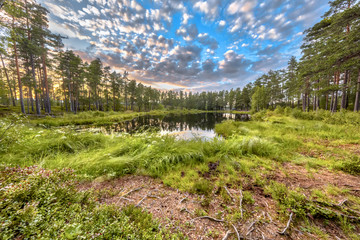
pixel 279 110
pixel 203 187
pixel 351 166
pixel 45 204
pixel 287 199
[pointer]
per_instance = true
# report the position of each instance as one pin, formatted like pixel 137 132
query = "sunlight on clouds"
pixel 172 44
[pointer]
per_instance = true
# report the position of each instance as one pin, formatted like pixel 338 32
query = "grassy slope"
pixel 254 153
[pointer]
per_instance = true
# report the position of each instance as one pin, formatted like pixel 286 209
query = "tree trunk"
pixel 114 101
pixel 334 107
pixel 314 104
pixel 344 91
pixel 70 97
pixel 19 79
pixel 41 85
pixel 125 91
pixel 37 103
pixel 357 98
pixel 46 85
pixel 65 99
pixel 304 99
pixel 32 64
pixel 326 101
pixel 89 100
pixel 96 99
pixel 8 81
pixel 27 101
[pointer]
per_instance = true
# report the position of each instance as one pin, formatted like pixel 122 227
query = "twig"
pixel 207 217
pixel 337 206
pixel 287 225
pixel 153 196
pixel 241 199
pixel 227 235
pixel 342 202
pixel 236 231
pixel 186 210
pixel 269 217
pixel 183 199
pixel 341 214
pixel 127 199
pixel 140 202
pixel 131 191
pixel 251 228
pixel 228 192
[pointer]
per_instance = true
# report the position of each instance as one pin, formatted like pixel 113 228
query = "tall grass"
pixel 277 138
pixel 101 118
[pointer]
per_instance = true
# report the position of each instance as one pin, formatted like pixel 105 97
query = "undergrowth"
pixel 45 204
pixel 246 153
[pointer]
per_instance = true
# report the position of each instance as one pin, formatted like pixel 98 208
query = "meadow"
pixel 284 174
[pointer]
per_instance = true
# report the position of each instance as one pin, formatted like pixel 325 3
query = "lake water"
pixel 186 126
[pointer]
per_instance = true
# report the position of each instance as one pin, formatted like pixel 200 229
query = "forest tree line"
pixel 37 73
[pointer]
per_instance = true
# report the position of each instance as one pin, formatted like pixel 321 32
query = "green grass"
pixel 250 153
pixel 98 118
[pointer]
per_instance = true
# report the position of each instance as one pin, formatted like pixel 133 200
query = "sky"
pixel 194 45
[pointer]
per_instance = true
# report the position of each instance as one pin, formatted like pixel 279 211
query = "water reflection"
pixel 187 126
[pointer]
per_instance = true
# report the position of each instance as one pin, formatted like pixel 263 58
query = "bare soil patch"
pixel 177 210
pixel 298 176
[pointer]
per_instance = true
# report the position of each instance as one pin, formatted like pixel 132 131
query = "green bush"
pixel 351 166
pixel 288 200
pixel 203 187
pixel 279 110
pixel 45 204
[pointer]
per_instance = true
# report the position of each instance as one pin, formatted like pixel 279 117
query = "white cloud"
pixel 186 18
pixel 209 7
pixel 241 6
pixel 222 23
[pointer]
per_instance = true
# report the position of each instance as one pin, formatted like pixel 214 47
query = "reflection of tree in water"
pixel 172 122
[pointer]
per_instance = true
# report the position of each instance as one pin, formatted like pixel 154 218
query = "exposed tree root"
pixel 287 225
pixel 228 192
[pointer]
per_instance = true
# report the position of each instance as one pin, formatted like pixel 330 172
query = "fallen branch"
pixel 269 217
pixel 131 191
pixel 250 228
pixel 341 214
pixel 186 210
pixel 207 217
pixel 340 207
pixel 342 202
pixel 153 196
pixel 127 199
pixel 227 235
pixel 228 192
pixel 183 199
pixel 236 231
pixel 140 202
pixel 287 225
pixel 241 199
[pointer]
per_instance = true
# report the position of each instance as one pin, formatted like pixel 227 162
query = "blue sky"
pixel 195 45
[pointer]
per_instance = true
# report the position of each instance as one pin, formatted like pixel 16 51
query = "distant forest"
pixel 37 73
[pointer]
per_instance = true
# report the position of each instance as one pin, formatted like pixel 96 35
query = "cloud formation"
pixel 195 44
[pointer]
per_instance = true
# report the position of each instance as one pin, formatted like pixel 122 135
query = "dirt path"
pixel 178 211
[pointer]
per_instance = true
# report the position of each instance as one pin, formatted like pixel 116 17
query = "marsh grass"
pixel 98 118
pixel 247 153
